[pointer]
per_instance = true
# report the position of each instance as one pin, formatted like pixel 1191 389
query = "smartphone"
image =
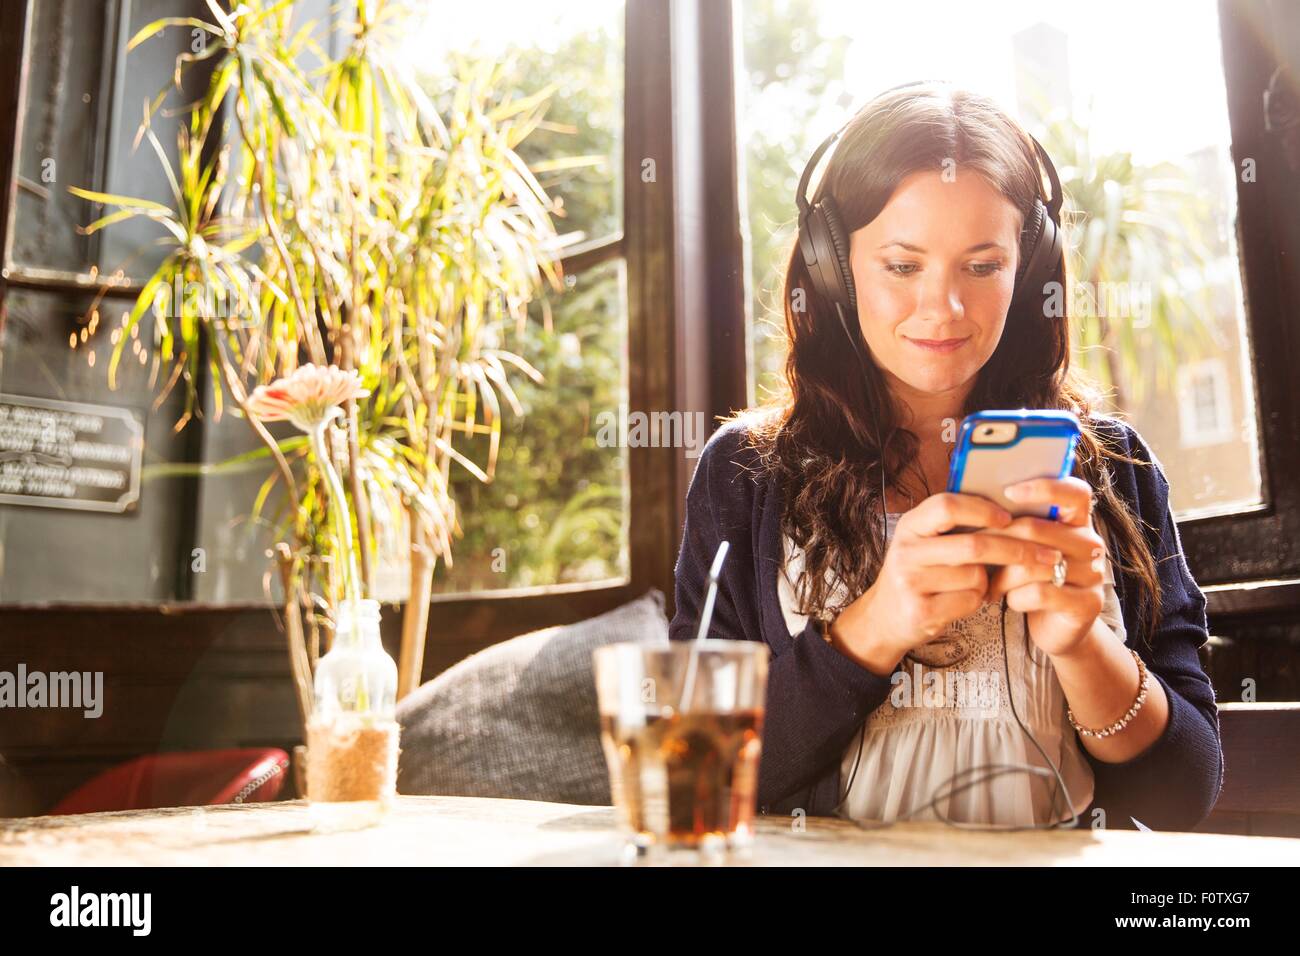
pixel 1002 447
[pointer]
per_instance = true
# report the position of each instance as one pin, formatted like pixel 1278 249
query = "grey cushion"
pixel 519 719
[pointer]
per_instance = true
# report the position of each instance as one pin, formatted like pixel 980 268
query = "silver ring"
pixel 1058 572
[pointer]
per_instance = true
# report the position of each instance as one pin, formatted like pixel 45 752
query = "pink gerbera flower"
pixel 307 397
pixel 310 398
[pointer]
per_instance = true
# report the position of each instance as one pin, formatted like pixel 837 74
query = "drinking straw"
pixel 714 573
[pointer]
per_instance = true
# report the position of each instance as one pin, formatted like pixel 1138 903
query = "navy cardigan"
pixel 817 697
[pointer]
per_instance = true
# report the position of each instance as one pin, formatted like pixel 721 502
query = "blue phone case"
pixel 1061 425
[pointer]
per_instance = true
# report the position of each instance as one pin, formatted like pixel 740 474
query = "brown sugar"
pixel 349 759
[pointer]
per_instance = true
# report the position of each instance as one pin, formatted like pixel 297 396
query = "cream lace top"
pixel 944 716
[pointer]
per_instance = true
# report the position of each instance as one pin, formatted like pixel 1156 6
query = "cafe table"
pixel 475 831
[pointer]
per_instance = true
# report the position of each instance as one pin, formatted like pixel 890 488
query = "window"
pixel 1204 404
pixel 584 524
pixel 1150 306
pixel 558 510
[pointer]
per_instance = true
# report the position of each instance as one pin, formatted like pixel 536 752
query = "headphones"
pixel 824 242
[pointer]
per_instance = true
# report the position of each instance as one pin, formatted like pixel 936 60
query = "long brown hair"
pixel 818 439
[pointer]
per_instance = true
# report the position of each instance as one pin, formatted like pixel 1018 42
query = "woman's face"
pixel 934 274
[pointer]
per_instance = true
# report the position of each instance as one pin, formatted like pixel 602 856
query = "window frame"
pixel 191 670
pixel 462 623
pixel 1230 553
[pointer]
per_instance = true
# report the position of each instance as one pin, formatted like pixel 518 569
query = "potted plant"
pixel 356 229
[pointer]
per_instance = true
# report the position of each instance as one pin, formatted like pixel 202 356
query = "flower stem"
pixel 338 507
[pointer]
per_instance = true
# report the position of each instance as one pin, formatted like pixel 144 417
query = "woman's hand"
pixel 930 579
pixel 1058 618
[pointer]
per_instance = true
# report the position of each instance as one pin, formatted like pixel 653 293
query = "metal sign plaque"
pixel 69 455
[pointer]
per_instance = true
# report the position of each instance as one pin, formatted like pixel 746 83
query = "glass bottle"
pixel 352 736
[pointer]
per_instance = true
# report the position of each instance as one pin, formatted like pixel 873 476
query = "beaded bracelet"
pixel 1144 682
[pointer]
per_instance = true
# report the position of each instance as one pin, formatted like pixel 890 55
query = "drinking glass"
pixel 681 726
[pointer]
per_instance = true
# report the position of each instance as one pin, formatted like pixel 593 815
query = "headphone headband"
pixel 801 195
pixel 1054 203
pixel 824 242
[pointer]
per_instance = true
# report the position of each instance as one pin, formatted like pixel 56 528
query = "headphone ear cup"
pixel 1040 253
pixel 825 254
pixel 1029 237
pixel 840 242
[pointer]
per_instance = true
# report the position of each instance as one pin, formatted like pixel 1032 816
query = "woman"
pixel 934 190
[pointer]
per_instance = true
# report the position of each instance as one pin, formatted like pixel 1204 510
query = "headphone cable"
pixel 998 769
